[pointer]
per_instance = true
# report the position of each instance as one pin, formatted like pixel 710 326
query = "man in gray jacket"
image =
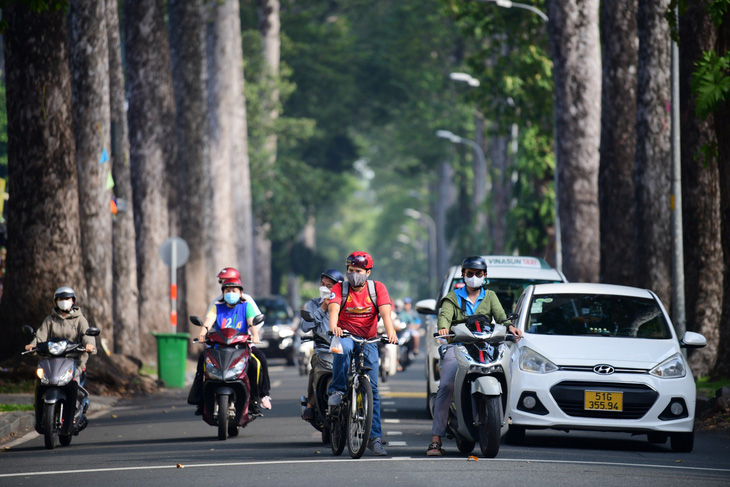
pixel 317 309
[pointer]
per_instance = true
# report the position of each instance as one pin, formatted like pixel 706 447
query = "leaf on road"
pixel 317 452
pixel 472 458
pixel 114 416
pixel 180 466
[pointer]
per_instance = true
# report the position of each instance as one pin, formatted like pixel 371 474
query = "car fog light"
pixel 676 408
pixel 529 402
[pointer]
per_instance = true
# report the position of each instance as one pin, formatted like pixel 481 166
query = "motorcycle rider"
pixel 220 314
pixel 358 316
pixel 66 321
pixel 317 309
pixel 469 300
pixel 409 317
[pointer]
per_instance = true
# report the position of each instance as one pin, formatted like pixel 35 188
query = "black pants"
pixel 259 388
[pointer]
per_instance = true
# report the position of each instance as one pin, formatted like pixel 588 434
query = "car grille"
pixel 637 399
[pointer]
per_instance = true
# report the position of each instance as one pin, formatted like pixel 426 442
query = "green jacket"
pixel 72 327
pixel 451 311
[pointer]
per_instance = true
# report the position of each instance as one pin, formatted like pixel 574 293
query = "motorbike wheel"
pixel 337 431
pixel 65 440
pixel 360 419
pixel 490 421
pixel 222 417
pixel 51 414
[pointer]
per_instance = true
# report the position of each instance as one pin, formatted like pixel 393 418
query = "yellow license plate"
pixel 603 401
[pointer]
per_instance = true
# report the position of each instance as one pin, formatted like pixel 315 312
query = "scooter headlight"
pixel 236 370
pixel 66 377
pixel 57 348
pixel 531 361
pixel 212 369
pixel 672 368
pixel 41 375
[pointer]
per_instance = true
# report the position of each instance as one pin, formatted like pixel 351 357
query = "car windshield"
pixel 597 315
pixel 275 312
pixel 508 290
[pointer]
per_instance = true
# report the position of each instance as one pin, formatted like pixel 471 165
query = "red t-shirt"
pixel 358 315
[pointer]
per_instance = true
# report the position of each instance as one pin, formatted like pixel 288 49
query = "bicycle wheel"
pixel 337 433
pixel 360 418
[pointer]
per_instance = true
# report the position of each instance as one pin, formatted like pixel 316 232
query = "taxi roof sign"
pixel 515 261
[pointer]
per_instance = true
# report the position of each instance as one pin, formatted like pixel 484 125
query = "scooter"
pixel 481 393
pixel 322 381
pixel 60 401
pixel 388 352
pixel 305 350
pixel 405 344
pixel 226 388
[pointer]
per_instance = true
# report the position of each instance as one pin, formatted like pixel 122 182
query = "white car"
pixel 604 358
pixel 507 275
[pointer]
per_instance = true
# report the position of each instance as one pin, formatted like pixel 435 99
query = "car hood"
pixel 635 353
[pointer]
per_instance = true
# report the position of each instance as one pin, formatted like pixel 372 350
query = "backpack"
pixel 371 290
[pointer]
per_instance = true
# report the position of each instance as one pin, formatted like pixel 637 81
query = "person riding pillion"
pixel 359 316
pixel 457 305
pixel 320 326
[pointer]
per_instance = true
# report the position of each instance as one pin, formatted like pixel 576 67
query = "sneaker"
pixel 253 409
pixel 335 399
pixel 308 414
pixel 266 402
pixel 376 446
pixel 434 450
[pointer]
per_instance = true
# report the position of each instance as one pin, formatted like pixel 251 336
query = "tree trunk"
pixel 89 55
pixel 703 251
pixel 722 131
pixel 480 175
pixel 187 48
pixel 500 195
pixel 44 239
pixel 229 203
pixel 618 141
pixel 653 152
pixel 575 45
pixel 152 146
pixel 124 286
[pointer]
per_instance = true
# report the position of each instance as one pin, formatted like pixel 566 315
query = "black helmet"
pixel 333 274
pixel 64 292
pixel 474 262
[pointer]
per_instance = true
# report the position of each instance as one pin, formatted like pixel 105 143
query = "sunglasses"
pixel 474 274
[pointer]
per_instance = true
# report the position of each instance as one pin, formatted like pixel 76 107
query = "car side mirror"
pixel 693 340
pixel 306 315
pixel 93 331
pixel 257 320
pixel 426 306
pixel 196 321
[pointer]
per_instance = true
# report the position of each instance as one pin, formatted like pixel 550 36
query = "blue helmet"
pixel 407 300
pixel 333 274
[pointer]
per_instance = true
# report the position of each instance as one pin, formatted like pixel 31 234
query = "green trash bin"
pixel 172 352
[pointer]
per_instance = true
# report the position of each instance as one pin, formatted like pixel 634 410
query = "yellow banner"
pixel 2 197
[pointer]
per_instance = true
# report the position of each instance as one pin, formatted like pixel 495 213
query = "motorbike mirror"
pixel 92 331
pixel 306 315
pixel 27 329
pixel 196 321
pixel 426 307
pixel 257 320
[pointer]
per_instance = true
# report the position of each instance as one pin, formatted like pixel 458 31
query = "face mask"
pixel 231 298
pixel 65 304
pixel 324 292
pixel 474 282
pixel 355 279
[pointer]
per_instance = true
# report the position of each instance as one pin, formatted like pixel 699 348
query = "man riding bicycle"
pixel 359 316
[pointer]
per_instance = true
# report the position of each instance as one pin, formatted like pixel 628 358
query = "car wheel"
pixel 683 442
pixel 657 438
pixel 515 435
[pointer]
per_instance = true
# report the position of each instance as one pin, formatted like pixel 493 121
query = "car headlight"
pixel 66 377
pixel 671 368
pixel 212 369
pixel 236 370
pixel 285 332
pixel 531 361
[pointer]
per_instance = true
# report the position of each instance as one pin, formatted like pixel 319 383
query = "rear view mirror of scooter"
pixel 92 331
pixel 306 315
pixel 196 321
pixel 28 330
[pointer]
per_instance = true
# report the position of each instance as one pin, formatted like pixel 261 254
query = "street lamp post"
pixel 510 4
pixel 431 226
pixel 445 134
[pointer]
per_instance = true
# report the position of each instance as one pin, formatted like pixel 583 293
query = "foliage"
pixel 37 6
pixel 711 82
pixel 3 133
pixel 5 407
pixel 709 387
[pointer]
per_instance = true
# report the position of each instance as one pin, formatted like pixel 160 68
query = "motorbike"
pixel 405 344
pixel 388 352
pixel 322 381
pixel 226 388
pixel 60 400
pixel 481 394
pixel 305 350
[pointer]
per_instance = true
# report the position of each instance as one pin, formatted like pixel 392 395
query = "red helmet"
pixel 360 259
pixel 228 273
pixel 233 282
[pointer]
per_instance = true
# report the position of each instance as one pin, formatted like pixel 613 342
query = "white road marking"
pixel 275 384
pixel 392 421
pixel 345 460
pixel 395 433
pixel 387 403
pixel 397 443
pixel 390 410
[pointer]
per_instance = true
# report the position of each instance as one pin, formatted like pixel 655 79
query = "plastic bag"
pixel 335 345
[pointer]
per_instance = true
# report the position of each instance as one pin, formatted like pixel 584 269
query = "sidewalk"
pixel 15 424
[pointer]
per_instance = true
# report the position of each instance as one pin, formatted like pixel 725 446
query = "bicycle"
pixel 355 413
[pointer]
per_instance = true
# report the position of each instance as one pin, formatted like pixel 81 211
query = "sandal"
pixel 434 450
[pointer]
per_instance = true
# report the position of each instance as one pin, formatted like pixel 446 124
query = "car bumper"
pixel 552 412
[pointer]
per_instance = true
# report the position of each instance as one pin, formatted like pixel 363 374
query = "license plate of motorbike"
pixel 603 401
